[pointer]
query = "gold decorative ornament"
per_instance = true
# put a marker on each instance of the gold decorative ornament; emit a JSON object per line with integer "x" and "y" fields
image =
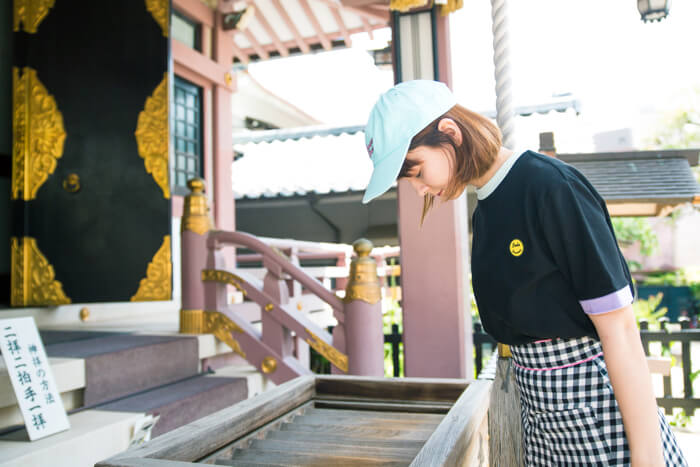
{"x": 160, "y": 11}
{"x": 222, "y": 327}
{"x": 269, "y": 307}
{"x": 72, "y": 183}
{"x": 192, "y": 322}
{"x": 32, "y": 280}
{"x": 84, "y": 314}
{"x": 152, "y": 135}
{"x": 504, "y": 350}
{"x": 38, "y": 134}
{"x": 268, "y": 365}
{"x": 195, "y": 213}
{"x": 405, "y": 5}
{"x": 217, "y": 275}
{"x": 158, "y": 282}
{"x": 363, "y": 283}
{"x": 336, "y": 357}
{"x": 228, "y": 79}
{"x": 299, "y": 306}
{"x": 30, "y": 13}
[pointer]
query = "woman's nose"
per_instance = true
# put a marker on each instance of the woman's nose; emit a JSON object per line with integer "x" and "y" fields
{"x": 420, "y": 187}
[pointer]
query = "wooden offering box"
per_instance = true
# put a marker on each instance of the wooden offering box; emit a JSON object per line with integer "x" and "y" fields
{"x": 334, "y": 420}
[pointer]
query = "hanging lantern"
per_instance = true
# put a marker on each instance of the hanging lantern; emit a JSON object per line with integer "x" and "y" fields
{"x": 653, "y": 10}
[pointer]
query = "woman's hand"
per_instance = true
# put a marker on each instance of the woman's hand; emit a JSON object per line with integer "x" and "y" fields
{"x": 631, "y": 382}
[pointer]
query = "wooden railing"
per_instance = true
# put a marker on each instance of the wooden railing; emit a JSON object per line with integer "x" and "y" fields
{"x": 279, "y": 344}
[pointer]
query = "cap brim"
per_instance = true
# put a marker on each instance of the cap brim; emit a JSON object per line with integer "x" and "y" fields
{"x": 385, "y": 173}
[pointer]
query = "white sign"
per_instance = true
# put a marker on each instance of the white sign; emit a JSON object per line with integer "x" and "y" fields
{"x": 30, "y": 373}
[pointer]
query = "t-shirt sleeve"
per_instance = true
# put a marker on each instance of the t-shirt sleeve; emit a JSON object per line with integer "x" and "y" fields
{"x": 581, "y": 240}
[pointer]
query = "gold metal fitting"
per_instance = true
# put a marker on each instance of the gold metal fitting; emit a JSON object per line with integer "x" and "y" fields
{"x": 268, "y": 365}
{"x": 363, "y": 283}
{"x": 269, "y": 307}
{"x": 195, "y": 213}
{"x": 84, "y": 314}
{"x": 193, "y": 322}
{"x": 504, "y": 351}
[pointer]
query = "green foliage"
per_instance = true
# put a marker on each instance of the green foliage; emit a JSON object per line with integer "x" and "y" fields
{"x": 649, "y": 310}
{"x": 630, "y": 230}
{"x": 679, "y": 128}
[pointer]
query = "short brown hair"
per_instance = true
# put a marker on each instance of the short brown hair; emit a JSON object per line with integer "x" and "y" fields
{"x": 481, "y": 142}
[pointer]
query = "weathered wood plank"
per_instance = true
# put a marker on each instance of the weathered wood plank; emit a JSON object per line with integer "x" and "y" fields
{"x": 144, "y": 462}
{"x": 384, "y": 405}
{"x": 340, "y": 449}
{"x": 329, "y": 438}
{"x": 405, "y": 389}
{"x": 359, "y": 421}
{"x": 306, "y": 459}
{"x": 199, "y": 438}
{"x": 260, "y": 433}
{"x": 379, "y": 433}
{"x": 437, "y": 418}
{"x": 452, "y": 440}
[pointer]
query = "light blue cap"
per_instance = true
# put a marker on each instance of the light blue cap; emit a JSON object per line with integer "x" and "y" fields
{"x": 399, "y": 115}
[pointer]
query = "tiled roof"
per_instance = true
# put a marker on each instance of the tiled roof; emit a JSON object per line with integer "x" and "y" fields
{"x": 334, "y": 160}
{"x": 644, "y": 176}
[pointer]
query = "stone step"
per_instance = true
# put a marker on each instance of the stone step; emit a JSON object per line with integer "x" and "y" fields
{"x": 101, "y": 432}
{"x": 184, "y": 401}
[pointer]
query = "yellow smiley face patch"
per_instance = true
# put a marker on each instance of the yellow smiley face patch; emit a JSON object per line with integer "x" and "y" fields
{"x": 516, "y": 247}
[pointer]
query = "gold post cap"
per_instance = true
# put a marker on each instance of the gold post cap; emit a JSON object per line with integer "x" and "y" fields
{"x": 196, "y": 185}
{"x": 362, "y": 247}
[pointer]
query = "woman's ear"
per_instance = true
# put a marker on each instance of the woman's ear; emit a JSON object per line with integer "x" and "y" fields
{"x": 450, "y": 128}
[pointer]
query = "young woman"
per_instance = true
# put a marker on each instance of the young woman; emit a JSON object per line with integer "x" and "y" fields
{"x": 548, "y": 277}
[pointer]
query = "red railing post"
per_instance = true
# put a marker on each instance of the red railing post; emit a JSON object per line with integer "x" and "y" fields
{"x": 364, "y": 335}
{"x": 195, "y": 228}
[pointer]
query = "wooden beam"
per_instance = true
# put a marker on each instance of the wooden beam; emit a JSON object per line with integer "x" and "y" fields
{"x": 283, "y": 51}
{"x": 316, "y": 25}
{"x": 367, "y": 28}
{"x": 341, "y": 26}
{"x": 242, "y": 56}
{"x": 262, "y": 53}
{"x": 303, "y": 46}
{"x": 367, "y": 12}
{"x": 310, "y": 40}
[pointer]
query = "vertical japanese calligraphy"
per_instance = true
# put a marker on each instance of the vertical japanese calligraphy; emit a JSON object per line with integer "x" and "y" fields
{"x": 32, "y": 381}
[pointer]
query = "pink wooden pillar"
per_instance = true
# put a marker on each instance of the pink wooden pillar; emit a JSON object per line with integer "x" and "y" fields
{"x": 364, "y": 336}
{"x": 434, "y": 259}
{"x": 193, "y": 246}
{"x": 224, "y": 209}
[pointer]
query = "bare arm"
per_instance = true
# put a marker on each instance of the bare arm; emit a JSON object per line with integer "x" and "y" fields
{"x": 631, "y": 382}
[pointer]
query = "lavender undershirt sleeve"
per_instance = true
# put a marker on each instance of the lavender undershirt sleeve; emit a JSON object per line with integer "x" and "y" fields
{"x": 609, "y": 302}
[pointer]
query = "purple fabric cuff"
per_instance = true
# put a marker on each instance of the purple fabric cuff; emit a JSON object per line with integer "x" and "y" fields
{"x": 609, "y": 302}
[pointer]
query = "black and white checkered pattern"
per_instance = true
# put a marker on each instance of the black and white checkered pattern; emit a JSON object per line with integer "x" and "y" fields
{"x": 569, "y": 414}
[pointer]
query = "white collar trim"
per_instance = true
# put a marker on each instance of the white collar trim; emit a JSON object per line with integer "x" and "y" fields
{"x": 492, "y": 184}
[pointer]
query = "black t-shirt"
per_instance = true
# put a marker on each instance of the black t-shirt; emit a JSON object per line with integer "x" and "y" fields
{"x": 543, "y": 251}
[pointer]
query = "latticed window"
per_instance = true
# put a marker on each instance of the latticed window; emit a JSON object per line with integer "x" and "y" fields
{"x": 188, "y": 133}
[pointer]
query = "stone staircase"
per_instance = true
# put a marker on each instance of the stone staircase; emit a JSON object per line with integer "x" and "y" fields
{"x": 112, "y": 381}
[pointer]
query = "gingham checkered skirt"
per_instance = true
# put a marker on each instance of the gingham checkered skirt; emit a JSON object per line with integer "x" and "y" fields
{"x": 569, "y": 413}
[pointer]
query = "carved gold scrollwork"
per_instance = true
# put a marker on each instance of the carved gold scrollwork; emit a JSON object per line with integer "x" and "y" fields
{"x": 30, "y": 13}
{"x": 32, "y": 277}
{"x": 217, "y": 275}
{"x": 152, "y": 135}
{"x": 363, "y": 283}
{"x": 333, "y": 355}
{"x": 195, "y": 213}
{"x": 222, "y": 327}
{"x": 158, "y": 282}
{"x": 38, "y": 134}
{"x": 160, "y": 11}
